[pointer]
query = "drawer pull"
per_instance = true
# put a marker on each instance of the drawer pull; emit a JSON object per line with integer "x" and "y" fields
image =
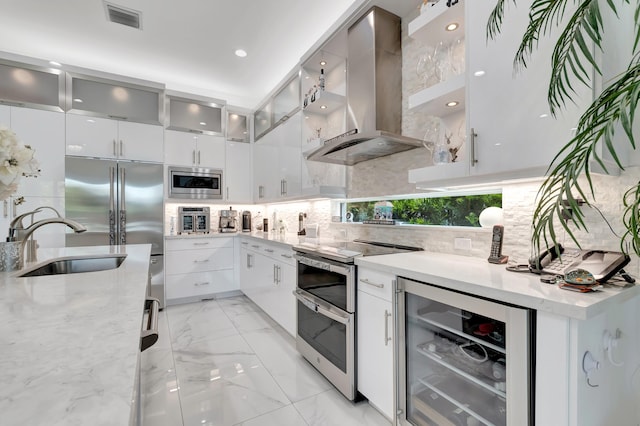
{"x": 255, "y": 246}
{"x": 269, "y": 250}
{"x": 244, "y": 243}
{"x": 366, "y": 281}
{"x": 387, "y": 339}
{"x": 287, "y": 256}
{"x": 201, "y": 261}
{"x": 201, "y": 244}
{"x": 199, "y": 284}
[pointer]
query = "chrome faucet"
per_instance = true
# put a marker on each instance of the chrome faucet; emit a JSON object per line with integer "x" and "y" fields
{"x": 16, "y": 227}
{"x": 77, "y": 228}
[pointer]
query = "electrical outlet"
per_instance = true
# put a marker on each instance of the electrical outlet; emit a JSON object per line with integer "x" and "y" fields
{"x": 462, "y": 243}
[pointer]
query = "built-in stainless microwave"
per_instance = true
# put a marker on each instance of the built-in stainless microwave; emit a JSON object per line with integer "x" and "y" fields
{"x": 195, "y": 183}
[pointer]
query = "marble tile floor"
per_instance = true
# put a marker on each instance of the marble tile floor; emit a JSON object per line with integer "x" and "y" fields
{"x": 225, "y": 362}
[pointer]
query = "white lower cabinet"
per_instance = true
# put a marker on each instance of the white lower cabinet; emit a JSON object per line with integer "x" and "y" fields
{"x": 375, "y": 339}
{"x": 198, "y": 267}
{"x": 268, "y": 278}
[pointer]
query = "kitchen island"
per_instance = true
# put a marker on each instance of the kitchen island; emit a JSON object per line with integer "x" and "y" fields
{"x": 70, "y": 343}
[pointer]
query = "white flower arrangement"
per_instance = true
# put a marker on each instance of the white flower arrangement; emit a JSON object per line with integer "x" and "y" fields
{"x": 16, "y": 160}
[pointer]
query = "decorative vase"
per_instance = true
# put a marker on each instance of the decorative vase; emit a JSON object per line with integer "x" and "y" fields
{"x": 10, "y": 256}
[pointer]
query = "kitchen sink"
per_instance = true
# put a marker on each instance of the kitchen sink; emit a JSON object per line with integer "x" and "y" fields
{"x": 76, "y": 265}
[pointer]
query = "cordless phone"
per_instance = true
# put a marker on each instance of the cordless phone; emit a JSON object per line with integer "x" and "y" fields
{"x": 496, "y": 246}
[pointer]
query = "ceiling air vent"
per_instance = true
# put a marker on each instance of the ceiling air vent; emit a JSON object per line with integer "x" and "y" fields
{"x": 123, "y": 16}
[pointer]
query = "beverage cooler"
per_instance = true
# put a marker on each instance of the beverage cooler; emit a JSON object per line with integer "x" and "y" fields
{"x": 461, "y": 360}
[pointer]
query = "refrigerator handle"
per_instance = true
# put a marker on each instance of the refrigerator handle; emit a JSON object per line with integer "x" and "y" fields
{"x": 123, "y": 209}
{"x": 112, "y": 207}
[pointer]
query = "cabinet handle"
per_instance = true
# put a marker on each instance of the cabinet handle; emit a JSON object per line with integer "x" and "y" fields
{"x": 473, "y": 136}
{"x": 194, "y": 157}
{"x": 249, "y": 257}
{"x": 198, "y": 157}
{"x": 279, "y": 274}
{"x": 366, "y": 281}
{"x": 14, "y": 209}
{"x": 121, "y": 148}
{"x": 201, "y": 244}
{"x": 244, "y": 243}
{"x": 114, "y": 148}
{"x": 227, "y": 192}
{"x": 255, "y": 246}
{"x": 275, "y": 274}
{"x": 286, "y": 189}
{"x": 5, "y": 208}
{"x": 268, "y": 250}
{"x": 387, "y": 339}
{"x": 202, "y": 283}
{"x": 287, "y": 256}
{"x": 201, "y": 261}
{"x": 260, "y": 191}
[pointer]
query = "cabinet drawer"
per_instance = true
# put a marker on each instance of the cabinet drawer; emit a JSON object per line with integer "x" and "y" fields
{"x": 189, "y": 261}
{"x": 199, "y": 284}
{"x": 279, "y": 254}
{"x": 198, "y": 243}
{"x": 375, "y": 283}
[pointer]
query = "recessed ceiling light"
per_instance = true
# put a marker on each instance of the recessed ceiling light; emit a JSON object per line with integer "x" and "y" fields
{"x": 241, "y": 53}
{"x": 452, "y": 26}
{"x": 202, "y": 123}
{"x": 323, "y": 107}
{"x": 78, "y": 100}
{"x": 55, "y": 64}
{"x": 452, "y": 103}
{"x": 234, "y": 116}
{"x": 323, "y": 63}
{"x": 479, "y": 73}
{"x": 544, "y": 115}
{"x": 91, "y": 121}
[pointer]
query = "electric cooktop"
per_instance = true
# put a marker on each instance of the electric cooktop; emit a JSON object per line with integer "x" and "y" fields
{"x": 347, "y": 251}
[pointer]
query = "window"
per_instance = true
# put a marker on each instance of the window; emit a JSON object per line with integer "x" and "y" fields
{"x": 445, "y": 211}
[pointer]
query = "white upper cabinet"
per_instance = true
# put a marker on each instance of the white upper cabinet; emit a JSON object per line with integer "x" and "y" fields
{"x": 195, "y": 150}
{"x": 508, "y": 111}
{"x": 44, "y": 132}
{"x": 510, "y": 132}
{"x": 105, "y": 138}
{"x": 238, "y": 174}
{"x": 277, "y": 162}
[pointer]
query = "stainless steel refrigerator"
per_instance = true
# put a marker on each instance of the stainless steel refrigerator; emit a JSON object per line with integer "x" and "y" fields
{"x": 120, "y": 202}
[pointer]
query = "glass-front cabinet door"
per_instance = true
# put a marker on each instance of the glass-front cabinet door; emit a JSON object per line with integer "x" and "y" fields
{"x": 462, "y": 360}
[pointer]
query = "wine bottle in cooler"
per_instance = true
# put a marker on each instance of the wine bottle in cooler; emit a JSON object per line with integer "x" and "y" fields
{"x": 321, "y": 80}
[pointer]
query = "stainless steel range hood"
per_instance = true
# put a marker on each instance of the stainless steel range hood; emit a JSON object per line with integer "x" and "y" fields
{"x": 374, "y": 94}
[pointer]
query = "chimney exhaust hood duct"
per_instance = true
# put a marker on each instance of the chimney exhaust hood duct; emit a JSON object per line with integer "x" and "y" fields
{"x": 374, "y": 94}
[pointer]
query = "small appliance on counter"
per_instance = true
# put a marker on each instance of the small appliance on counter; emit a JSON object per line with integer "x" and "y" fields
{"x": 246, "y": 221}
{"x": 228, "y": 220}
{"x": 301, "y": 217}
{"x": 193, "y": 220}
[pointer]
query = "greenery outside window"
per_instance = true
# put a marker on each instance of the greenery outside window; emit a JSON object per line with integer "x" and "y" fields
{"x": 461, "y": 210}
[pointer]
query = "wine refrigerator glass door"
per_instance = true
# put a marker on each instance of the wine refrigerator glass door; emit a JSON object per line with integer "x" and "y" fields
{"x": 461, "y": 360}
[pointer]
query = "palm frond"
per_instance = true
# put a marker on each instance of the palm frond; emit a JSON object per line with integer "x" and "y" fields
{"x": 495, "y": 19}
{"x": 631, "y": 220}
{"x": 615, "y": 105}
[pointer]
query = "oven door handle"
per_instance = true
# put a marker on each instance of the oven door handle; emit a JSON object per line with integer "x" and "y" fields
{"x": 344, "y": 270}
{"x": 323, "y": 310}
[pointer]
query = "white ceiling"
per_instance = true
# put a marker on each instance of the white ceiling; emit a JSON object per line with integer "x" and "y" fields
{"x": 186, "y": 44}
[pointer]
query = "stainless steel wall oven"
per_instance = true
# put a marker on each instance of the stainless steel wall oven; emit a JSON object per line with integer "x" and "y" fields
{"x": 326, "y": 293}
{"x": 326, "y": 319}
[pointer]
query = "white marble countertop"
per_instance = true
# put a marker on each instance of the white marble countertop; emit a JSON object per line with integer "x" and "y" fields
{"x": 481, "y": 278}
{"x": 69, "y": 344}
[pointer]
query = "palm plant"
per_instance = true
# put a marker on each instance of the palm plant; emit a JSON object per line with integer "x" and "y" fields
{"x": 572, "y": 60}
